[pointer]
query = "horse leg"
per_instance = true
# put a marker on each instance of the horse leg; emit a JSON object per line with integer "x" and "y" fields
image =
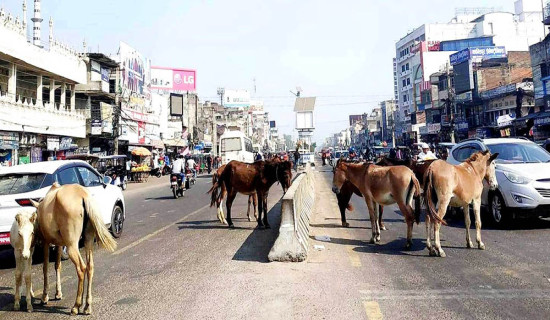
{"x": 380, "y": 222}
{"x": 230, "y": 198}
{"x": 343, "y": 201}
{"x": 477, "y": 213}
{"x": 372, "y": 219}
{"x": 255, "y": 202}
{"x": 409, "y": 219}
{"x": 80, "y": 267}
{"x": 219, "y": 205}
{"x": 429, "y": 235}
{"x": 19, "y": 265}
{"x": 89, "y": 247}
{"x": 260, "y": 210}
{"x": 467, "y": 223}
{"x": 443, "y": 204}
{"x": 248, "y": 210}
{"x": 264, "y": 205}
{"x": 376, "y": 219}
{"x": 58, "y": 294}
{"x": 28, "y": 282}
{"x": 46, "y": 249}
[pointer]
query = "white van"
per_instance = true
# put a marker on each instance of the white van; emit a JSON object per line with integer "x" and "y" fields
{"x": 234, "y": 145}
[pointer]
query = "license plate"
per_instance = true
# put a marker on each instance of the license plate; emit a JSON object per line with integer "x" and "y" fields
{"x": 174, "y": 183}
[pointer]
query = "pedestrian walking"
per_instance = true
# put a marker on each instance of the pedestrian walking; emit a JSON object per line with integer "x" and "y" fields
{"x": 209, "y": 163}
{"x": 296, "y": 159}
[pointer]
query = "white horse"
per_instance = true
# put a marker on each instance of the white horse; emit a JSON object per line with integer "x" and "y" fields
{"x": 22, "y": 239}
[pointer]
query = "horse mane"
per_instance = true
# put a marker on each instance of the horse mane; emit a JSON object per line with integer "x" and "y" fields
{"x": 474, "y": 157}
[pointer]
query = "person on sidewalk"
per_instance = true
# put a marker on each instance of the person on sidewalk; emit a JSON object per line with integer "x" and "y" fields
{"x": 296, "y": 159}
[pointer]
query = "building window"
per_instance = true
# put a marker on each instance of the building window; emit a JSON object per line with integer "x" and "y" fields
{"x": 402, "y": 68}
{"x": 404, "y": 83}
{"x": 407, "y": 66}
{"x": 408, "y": 81}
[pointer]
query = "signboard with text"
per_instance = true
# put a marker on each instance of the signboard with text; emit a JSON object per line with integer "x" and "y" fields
{"x": 477, "y": 54}
{"x": 236, "y": 98}
{"x": 174, "y": 80}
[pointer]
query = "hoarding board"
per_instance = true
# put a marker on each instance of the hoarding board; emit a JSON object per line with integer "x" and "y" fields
{"x": 176, "y": 104}
{"x": 464, "y": 78}
{"x": 272, "y": 124}
{"x": 304, "y": 120}
{"x": 354, "y": 118}
{"x": 135, "y": 70}
{"x": 236, "y": 98}
{"x": 477, "y": 54}
{"x": 171, "y": 79}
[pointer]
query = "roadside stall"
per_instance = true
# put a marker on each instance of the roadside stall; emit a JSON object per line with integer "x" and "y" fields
{"x": 140, "y": 165}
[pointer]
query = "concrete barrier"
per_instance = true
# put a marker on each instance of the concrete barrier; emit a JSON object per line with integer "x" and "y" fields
{"x": 296, "y": 209}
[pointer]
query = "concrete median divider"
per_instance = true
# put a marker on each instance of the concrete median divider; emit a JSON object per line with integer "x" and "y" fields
{"x": 296, "y": 209}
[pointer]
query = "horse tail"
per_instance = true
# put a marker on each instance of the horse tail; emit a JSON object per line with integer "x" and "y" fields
{"x": 91, "y": 212}
{"x": 214, "y": 190}
{"x": 430, "y": 196}
{"x": 414, "y": 191}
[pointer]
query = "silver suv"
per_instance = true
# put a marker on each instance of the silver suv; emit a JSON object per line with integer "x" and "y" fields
{"x": 523, "y": 175}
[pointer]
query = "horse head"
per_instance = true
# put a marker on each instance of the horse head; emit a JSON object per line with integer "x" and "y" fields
{"x": 284, "y": 174}
{"x": 340, "y": 176}
{"x": 490, "y": 174}
{"x": 22, "y": 232}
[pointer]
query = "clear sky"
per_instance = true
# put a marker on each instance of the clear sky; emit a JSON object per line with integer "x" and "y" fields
{"x": 340, "y": 51}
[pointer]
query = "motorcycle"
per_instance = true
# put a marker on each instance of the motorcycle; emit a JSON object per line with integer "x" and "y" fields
{"x": 176, "y": 184}
{"x": 190, "y": 177}
{"x": 157, "y": 172}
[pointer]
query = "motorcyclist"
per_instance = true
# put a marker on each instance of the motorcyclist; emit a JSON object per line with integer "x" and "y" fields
{"x": 352, "y": 155}
{"x": 178, "y": 167}
{"x": 191, "y": 165}
{"x": 426, "y": 153}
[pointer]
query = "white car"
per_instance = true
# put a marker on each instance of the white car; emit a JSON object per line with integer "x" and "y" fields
{"x": 19, "y": 184}
{"x": 523, "y": 175}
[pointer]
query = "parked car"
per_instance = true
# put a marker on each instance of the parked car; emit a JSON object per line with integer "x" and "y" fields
{"x": 523, "y": 175}
{"x": 19, "y": 184}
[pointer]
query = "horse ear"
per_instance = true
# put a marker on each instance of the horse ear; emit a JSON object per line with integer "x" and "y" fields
{"x": 493, "y": 157}
{"x": 18, "y": 218}
{"x": 34, "y": 203}
{"x": 33, "y": 217}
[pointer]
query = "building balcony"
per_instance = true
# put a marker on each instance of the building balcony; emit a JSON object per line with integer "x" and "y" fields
{"x": 36, "y": 117}
{"x": 405, "y": 73}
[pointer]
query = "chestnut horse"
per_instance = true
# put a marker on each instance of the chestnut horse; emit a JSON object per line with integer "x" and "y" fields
{"x": 349, "y": 189}
{"x": 457, "y": 186}
{"x": 251, "y": 178}
{"x": 66, "y": 214}
{"x": 380, "y": 185}
{"x": 252, "y": 199}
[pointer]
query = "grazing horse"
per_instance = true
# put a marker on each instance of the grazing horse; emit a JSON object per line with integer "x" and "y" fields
{"x": 381, "y": 185}
{"x": 22, "y": 239}
{"x": 66, "y": 214}
{"x": 458, "y": 186}
{"x": 251, "y": 178}
{"x": 252, "y": 199}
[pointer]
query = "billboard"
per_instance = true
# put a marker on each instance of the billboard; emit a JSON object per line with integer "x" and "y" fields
{"x": 176, "y": 104}
{"x": 272, "y": 124}
{"x": 171, "y": 79}
{"x": 354, "y": 118}
{"x": 304, "y": 120}
{"x": 135, "y": 70}
{"x": 236, "y": 98}
{"x": 478, "y": 54}
{"x": 464, "y": 77}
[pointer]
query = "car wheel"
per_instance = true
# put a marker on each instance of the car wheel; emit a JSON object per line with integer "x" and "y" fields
{"x": 117, "y": 221}
{"x": 498, "y": 210}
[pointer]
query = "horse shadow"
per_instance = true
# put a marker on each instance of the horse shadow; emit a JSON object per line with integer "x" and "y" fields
{"x": 395, "y": 247}
{"x": 258, "y": 244}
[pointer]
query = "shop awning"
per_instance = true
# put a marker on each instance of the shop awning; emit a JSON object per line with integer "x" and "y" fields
{"x": 175, "y": 143}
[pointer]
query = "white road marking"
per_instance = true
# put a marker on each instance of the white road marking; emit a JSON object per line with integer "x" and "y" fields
{"x": 450, "y": 294}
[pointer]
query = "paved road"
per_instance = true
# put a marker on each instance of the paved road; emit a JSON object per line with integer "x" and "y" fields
{"x": 176, "y": 261}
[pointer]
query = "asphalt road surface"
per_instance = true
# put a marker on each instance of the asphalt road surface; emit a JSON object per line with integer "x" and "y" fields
{"x": 176, "y": 261}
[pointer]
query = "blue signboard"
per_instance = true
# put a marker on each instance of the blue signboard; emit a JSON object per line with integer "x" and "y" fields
{"x": 477, "y": 53}
{"x": 104, "y": 74}
{"x": 462, "y": 126}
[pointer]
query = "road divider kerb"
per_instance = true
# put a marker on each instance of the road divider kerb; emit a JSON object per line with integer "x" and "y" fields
{"x": 296, "y": 209}
{"x": 152, "y": 234}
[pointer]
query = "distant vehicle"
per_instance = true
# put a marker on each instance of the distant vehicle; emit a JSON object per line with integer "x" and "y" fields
{"x": 234, "y": 145}
{"x": 523, "y": 175}
{"x": 19, "y": 184}
{"x": 340, "y": 154}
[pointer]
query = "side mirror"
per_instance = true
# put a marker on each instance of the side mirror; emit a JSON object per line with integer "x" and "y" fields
{"x": 106, "y": 181}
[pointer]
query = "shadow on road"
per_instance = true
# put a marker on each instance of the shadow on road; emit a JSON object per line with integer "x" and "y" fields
{"x": 395, "y": 248}
{"x": 256, "y": 247}
{"x": 161, "y": 198}
{"x": 334, "y": 226}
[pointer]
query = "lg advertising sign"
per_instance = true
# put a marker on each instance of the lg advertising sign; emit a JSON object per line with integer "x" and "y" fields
{"x": 173, "y": 79}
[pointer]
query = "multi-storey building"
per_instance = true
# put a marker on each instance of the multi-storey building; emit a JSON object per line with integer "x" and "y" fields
{"x": 423, "y": 51}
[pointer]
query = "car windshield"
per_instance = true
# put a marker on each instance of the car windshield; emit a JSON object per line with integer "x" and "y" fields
{"x": 20, "y": 183}
{"x": 519, "y": 153}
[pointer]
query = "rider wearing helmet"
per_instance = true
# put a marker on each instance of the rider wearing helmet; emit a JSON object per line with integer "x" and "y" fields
{"x": 352, "y": 155}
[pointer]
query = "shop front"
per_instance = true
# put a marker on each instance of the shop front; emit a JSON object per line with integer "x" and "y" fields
{"x": 29, "y": 148}
{"x": 9, "y": 144}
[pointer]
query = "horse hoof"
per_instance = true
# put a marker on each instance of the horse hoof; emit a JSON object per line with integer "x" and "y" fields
{"x": 481, "y": 246}
{"x": 383, "y": 228}
{"x": 16, "y": 307}
{"x": 225, "y": 222}
{"x": 345, "y": 224}
{"x": 469, "y": 245}
{"x": 261, "y": 227}
{"x": 442, "y": 254}
{"x": 58, "y": 296}
{"x": 249, "y": 219}
{"x": 371, "y": 241}
{"x": 408, "y": 246}
{"x": 231, "y": 226}
{"x": 45, "y": 299}
{"x": 74, "y": 311}
{"x": 267, "y": 226}
{"x": 433, "y": 253}
{"x": 88, "y": 310}
{"x": 29, "y": 309}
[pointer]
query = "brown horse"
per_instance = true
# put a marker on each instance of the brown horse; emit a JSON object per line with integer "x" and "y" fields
{"x": 380, "y": 185}
{"x": 349, "y": 189}
{"x": 251, "y": 178}
{"x": 252, "y": 199}
{"x": 458, "y": 186}
{"x": 66, "y": 214}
